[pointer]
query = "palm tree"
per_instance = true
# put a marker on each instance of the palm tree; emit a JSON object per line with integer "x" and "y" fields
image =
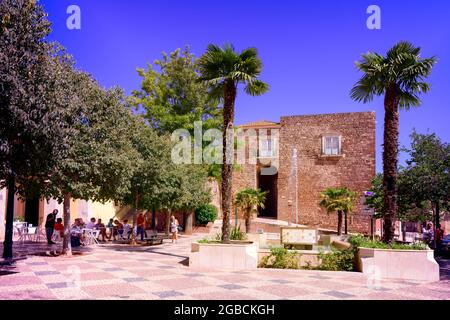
{"x": 223, "y": 69}
{"x": 400, "y": 76}
{"x": 249, "y": 200}
{"x": 340, "y": 200}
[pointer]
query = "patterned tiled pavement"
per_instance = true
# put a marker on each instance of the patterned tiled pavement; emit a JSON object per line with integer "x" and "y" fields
{"x": 161, "y": 272}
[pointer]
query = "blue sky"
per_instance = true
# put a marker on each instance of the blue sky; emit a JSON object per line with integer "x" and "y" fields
{"x": 308, "y": 48}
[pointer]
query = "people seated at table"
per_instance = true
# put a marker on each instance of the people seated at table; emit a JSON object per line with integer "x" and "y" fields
{"x": 428, "y": 234}
{"x": 91, "y": 224}
{"x": 59, "y": 227}
{"x": 101, "y": 227}
{"x": 127, "y": 229}
{"x": 117, "y": 229}
{"x": 76, "y": 234}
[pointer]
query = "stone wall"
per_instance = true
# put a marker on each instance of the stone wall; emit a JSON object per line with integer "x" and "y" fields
{"x": 354, "y": 169}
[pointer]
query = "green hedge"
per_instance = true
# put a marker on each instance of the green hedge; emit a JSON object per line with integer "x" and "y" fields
{"x": 205, "y": 214}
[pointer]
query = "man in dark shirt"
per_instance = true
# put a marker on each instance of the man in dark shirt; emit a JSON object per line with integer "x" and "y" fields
{"x": 50, "y": 226}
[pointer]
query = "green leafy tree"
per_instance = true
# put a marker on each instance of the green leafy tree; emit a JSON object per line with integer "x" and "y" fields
{"x": 423, "y": 185}
{"x": 100, "y": 158}
{"x": 426, "y": 177}
{"x": 33, "y": 130}
{"x": 150, "y": 172}
{"x": 158, "y": 183}
{"x": 340, "y": 200}
{"x": 400, "y": 77}
{"x": 249, "y": 200}
{"x": 223, "y": 69}
{"x": 172, "y": 97}
{"x": 376, "y": 200}
{"x": 409, "y": 208}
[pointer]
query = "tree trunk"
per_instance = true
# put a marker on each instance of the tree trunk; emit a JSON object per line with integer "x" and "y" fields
{"x": 228, "y": 157}
{"x": 154, "y": 219}
{"x": 168, "y": 218}
{"x": 437, "y": 222}
{"x": 9, "y": 228}
{"x": 339, "y": 228}
{"x": 390, "y": 160}
{"x": 67, "y": 247}
{"x": 189, "y": 222}
{"x": 248, "y": 221}
{"x": 133, "y": 234}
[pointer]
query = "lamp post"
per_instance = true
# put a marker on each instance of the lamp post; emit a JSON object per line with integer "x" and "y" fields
{"x": 292, "y": 213}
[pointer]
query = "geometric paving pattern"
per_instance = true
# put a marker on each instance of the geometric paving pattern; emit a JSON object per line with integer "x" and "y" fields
{"x": 161, "y": 272}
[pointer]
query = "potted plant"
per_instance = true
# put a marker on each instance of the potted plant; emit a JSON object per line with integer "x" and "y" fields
{"x": 249, "y": 200}
{"x": 395, "y": 261}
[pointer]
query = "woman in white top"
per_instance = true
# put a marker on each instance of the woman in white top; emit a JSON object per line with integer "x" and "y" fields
{"x": 174, "y": 228}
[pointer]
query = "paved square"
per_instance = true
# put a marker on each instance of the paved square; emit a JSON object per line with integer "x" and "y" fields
{"x": 111, "y": 271}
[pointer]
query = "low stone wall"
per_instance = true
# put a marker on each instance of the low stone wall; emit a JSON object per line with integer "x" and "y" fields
{"x": 234, "y": 256}
{"x": 418, "y": 265}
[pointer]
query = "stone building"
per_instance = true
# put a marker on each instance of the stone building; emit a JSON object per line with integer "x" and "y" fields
{"x": 301, "y": 156}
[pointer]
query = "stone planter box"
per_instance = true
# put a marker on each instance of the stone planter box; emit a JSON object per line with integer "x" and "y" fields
{"x": 234, "y": 256}
{"x": 418, "y": 265}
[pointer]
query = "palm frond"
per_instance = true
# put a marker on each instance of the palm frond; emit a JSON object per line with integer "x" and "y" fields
{"x": 221, "y": 64}
{"x": 402, "y": 68}
{"x": 256, "y": 88}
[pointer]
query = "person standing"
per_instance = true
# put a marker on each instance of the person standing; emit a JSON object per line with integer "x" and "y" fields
{"x": 174, "y": 228}
{"x": 439, "y": 236}
{"x": 110, "y": 227}
{"x": 59, "y": 227}
{"x": 50, "y": 226}
{"x": 141, "y": 226}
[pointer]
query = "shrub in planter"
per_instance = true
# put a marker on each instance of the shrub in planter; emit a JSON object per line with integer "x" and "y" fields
{"x": 280, "y": 258}
{"x": 205, "y": 214}
{"x": 337, "y": 260}
{"x": 237, "y": 234}
{"x": 363, "y": 242}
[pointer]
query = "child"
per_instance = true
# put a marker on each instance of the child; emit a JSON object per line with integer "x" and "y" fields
{"x": 59, "y": 227}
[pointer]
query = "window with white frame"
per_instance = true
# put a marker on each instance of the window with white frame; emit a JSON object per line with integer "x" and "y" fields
{"x": 266, "y": 148}
{"x": 331, "y": 145}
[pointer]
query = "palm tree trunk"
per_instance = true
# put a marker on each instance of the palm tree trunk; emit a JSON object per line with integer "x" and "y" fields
{"x": 339, "y": 228}
{"x": 67, "y": 248}
{"x": 248, "y": 221}
{"x": 390, "y": 160}
{"x": 346, "y": 223}
{"x": 8, "y": 243}
{"x": 227, "y": 167}
{"x": 189, "y": 223}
